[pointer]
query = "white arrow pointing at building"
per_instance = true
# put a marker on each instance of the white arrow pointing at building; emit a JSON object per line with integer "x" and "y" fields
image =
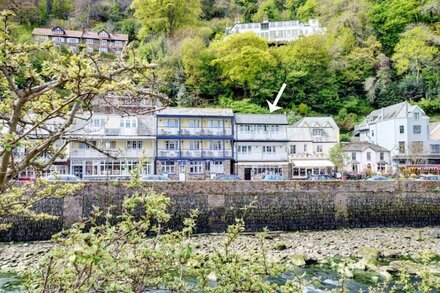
{"x": 273, "y": 107}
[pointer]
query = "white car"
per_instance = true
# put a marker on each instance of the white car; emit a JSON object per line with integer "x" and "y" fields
{"x": 63, "y": 178}
{"x": 147, "y": 178}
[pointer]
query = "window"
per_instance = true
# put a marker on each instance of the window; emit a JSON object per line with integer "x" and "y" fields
{"x": 118, "y": 43}
{"x": 103, "y": 34}
{"x": 196, "y": 167}
{"x": 98, "y": 122}
{"x": 417, "y": 129}
{"x": 417, "y": 147}
{"x": 103, "y": 42}
{"x": 292, "y": 149}
{"x": 134, "y": 144}
{"x": 368, "y": 156}
{"x": 171, "y": 144}
{"x": 167, "y": 167}
{"x": 217, "y": 167}
{"x": 89, "y": 41}
{"x": 372, "y": 133}
{"x": 194, "y": 145}
{"x": 416, "y": 115}
{"x": 353, "y": 156}
{"x": 87, "y": 146}
{"x": 269, "y": 149}
{"x": 128, "y": 123}
{"x": 274, "y": 128}
{"x": 382, "y": 156}
{"x": 435, "y": 148}
{"x": 173, "y": 123}
{"x": 215, "y": 123}
{"x": 401, "y": 147}
{"x": 319, "y": 148}
{"x": 305, "y": 148}
{"x": 244, "y": 149}
{"x": 110, "y": 144}
{"x": 402, "y": 129}
{"x": 89, "y": 50}
{"x": 317, "y": 132}
{"x": 58, "y": 30}
{"x": 194, "y": 123}
{"x": 72, "y": 40}
{"x": 58, "y": 39}
{"x": 215, "y": 145}
{"x": 103, "y": 50}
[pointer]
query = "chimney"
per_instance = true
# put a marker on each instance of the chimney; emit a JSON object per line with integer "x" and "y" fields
{"x": 265, "y": 18}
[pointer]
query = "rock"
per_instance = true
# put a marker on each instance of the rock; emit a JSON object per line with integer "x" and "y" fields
{"x": 280, "y": 246}
{"x": 360, "y": 265}
{"x": 436, "y": 233}
{"x": 369, "y": 253}
{"x": 298, "y": 260}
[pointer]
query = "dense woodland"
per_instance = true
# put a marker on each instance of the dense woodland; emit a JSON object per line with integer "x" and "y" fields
{"x": 375, "y": 52}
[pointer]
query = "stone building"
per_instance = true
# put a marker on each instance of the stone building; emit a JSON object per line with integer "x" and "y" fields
{"x": 95, "y": 42}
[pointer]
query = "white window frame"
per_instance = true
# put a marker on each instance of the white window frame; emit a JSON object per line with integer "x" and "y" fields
{"x": 244, "y": 149}
{"x": 269, "y": 149}
{"x": 167, "y": 167}
{"x": 215, "y": 145}
{"x": 196, "y": 167}
{"x": 171, "y": 145}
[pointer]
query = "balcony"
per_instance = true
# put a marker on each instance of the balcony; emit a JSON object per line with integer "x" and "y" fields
{"x": 91, "y": 153}
{"x": 112, "y": 131}
{"x": 258, "y": 156}
{"x": 194, "y": 153}
{"x": 192, "y": 131}
{"x": 262, "y": 136}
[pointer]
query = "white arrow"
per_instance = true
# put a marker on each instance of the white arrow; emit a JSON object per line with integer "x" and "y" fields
{"x": 273, "y": 107}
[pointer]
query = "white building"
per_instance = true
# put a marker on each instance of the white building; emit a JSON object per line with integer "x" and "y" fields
{"x": 260, "y": 145}
{"x": 310, "y": 141}
{"x": 130, "y": 140}
{"x": 366, "y": 157}
{"x": 278, "y": 31}
{"x": 404, "y": 130}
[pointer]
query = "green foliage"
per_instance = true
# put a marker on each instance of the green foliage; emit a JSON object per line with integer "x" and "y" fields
{"x": 267, "y": 8}
{"x": 338, "y": 157}
{"x": 165, "y": 16}
{"x": 242, "y": 106}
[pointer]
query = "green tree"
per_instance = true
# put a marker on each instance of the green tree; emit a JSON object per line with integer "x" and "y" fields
{"x": 414, "y": 52}
{"x": 42, "y": 91}
{"x": 338, "y": 156}
{"x": 243, "y": 60}
{"x": 165, "y": 16}
{"x": 267, "y": 8}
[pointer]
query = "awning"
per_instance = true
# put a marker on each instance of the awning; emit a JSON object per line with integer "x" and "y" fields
{"x": 382, "y": 162}
{"x": 312, "y": 163}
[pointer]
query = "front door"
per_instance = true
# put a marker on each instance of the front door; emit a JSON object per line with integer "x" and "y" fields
{"x": 247, "y": 173}
{"x": 182, "y": 174}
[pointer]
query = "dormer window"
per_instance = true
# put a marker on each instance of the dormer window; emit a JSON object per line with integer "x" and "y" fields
{"x": 59, "y": 31}
{"x": 103, "y": 34}
{"x": 416, "y": 115}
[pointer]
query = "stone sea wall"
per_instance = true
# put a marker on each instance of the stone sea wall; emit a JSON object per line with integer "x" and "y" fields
{"x": 286, "y": 205}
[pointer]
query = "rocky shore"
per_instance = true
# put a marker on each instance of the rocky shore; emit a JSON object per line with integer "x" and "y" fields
{"x": 315, "y": 246}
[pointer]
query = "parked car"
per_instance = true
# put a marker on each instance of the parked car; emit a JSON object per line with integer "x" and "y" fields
{"x": 429, "y": 177}
{"x": 147, "y": 178}
{"x": 379, "y": 178}
{"x": 273, "y": 177}
{"x": 63, "y": 178}
{"x": 321, "y": 177}
{"x": 228, "y": 178}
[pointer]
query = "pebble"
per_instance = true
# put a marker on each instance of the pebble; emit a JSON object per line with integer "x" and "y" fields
{"x": 316, "y": 245}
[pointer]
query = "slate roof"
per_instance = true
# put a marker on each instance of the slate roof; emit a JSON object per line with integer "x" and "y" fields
{"x": 390, "y": 112}
{"x": 79, "y": 34}
{"x": 362, "y": 146}
{"x": 177, "y": 111}
{"x": 261, "y": 119}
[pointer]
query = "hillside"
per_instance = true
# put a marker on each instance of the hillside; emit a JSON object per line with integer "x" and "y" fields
{"x": 375, "y": 52}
